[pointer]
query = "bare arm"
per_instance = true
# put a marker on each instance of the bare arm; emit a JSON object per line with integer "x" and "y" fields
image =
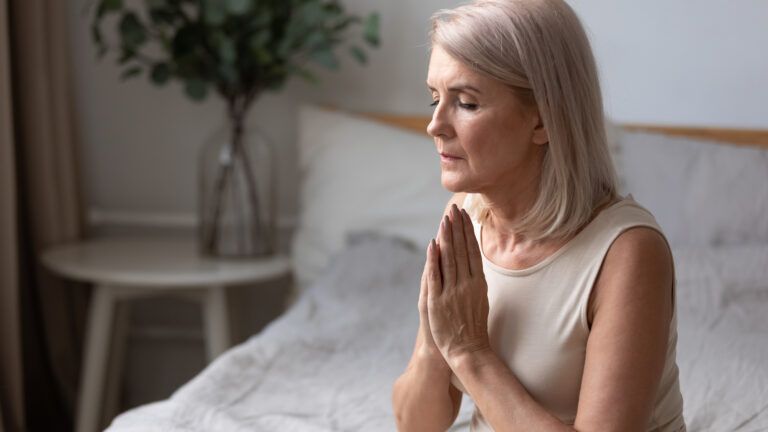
{"x": 630, "y": 309}
{"x": 423, "y": 397}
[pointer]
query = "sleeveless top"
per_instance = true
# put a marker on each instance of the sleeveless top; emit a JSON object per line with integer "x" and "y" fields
{"x": 538, "y": 322}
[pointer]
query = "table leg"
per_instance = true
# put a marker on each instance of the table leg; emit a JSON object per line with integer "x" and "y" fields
{"x": 115, "y": 366}
{"x": 95, "y": 359}
{"x": 216, "y": 321}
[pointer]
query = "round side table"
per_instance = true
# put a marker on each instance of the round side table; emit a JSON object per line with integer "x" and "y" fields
{"x": 130, "y": 268}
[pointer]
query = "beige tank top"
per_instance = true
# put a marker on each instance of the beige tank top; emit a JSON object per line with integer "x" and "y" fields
{"x": 538, "y": 319}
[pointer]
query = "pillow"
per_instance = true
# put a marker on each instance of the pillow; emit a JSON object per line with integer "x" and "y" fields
{"x": 358, "y": 175}
{"x": 701, "y": 192}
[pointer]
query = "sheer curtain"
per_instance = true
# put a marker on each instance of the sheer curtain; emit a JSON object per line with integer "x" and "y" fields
{"x": 41, "y": 317}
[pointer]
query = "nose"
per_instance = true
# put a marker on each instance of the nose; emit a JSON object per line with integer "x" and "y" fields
{"x": 440, "y": 125}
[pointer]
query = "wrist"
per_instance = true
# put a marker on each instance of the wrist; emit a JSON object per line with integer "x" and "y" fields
{"x": 430, "y": 360}
{"x": 470, "y": 360}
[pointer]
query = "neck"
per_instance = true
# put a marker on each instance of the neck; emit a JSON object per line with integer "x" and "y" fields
{"x": 508, "y": 204}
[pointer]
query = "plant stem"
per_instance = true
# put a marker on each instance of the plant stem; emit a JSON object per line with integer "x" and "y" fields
{"x": 236, "y": 110}
{"x": 252, "y": 191}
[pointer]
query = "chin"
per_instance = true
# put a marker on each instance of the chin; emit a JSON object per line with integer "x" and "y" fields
{"x": 452, "y": 182}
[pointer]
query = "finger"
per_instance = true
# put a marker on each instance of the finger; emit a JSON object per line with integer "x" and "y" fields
{"x": 434, "y": 278}
{"x": 459, "y": 244}
{"x": 473, "y": 248}
{"x": 423, "y": 283}
{"x": 447, "y": 259}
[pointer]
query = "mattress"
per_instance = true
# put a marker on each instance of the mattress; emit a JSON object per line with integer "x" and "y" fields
{"x": 329, "y": 362}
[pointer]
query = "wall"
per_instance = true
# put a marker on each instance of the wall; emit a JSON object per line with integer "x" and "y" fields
{"x": 687, "y": 62}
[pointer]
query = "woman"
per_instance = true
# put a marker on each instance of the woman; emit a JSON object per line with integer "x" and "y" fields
{"x": 547, "y": 298}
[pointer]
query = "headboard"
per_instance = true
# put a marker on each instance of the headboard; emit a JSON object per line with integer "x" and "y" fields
{"x": 750, "y": 137}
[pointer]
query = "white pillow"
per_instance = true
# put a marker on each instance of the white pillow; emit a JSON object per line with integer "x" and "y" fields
{"x": 701, "y": 192}
{"x": 361, "y": 175}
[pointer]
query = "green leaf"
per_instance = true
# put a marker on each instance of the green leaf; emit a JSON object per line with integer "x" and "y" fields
{"x": 132, "y": 31}
{"x": 259, "y": 40}
{"x": 227, "y": 73}
{"x": 371, "y": 30}
{"x": 358, "y": 54}
{"x": 107, "y": 6}
{"x": 213, "y": 12}
{"x": 160, "y": 16}
{"x": 263, "y": 56}
{"x": 316, "y": 40}
{"x": 237, "y": 7}
{"x": 225, "y": 47}
{"x": 311, "y": 14}
{"x": 126, "y": 55}
{"x": 130, "y": 73}
{"x": 344, "y": 23}
{"x": 284, "y": 48}
{"x": 196, "y": 89}
{"x": 186, "y": 40}
{"x": 161, "y": 73}
{"x": 262, "y": 19}
{"x": 325, "y": 57}
{"x": 304, "y": 74}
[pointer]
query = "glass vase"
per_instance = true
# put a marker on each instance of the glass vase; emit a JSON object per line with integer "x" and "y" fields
{"x": 236, "y": 194}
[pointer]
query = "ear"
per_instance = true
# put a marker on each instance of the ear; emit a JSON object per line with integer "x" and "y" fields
{"x": 540, "y": 135}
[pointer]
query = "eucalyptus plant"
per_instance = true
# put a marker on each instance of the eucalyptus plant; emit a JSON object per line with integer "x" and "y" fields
{"x": 237, "y": 48}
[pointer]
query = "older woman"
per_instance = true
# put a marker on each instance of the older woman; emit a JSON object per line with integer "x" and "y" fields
{"x": 547, "y": 298}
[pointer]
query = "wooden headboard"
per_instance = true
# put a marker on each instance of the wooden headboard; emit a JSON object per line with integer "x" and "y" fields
{"x": 749, "y": 137}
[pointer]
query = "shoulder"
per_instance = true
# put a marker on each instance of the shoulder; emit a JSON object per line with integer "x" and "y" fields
{"x": 637, "y": 246}
{"x": 637, "y": 271}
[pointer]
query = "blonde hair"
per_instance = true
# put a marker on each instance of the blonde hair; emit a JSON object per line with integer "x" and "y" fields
{"x": 539, "y": 49}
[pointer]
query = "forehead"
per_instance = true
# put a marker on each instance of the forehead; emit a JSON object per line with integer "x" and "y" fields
{"x": 444, "y": 68}
{"x": 445, "y": 71}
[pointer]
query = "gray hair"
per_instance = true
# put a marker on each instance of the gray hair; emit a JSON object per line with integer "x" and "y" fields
{"x": 540, "y": 49}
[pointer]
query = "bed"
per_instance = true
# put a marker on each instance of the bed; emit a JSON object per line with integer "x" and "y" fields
{"x": 328, "y": 363}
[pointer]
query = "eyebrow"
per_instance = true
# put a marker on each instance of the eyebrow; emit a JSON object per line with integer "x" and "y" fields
{"x": 459, "y": 88}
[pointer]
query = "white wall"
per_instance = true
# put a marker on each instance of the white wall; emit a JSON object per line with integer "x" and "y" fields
{"x": 684, "y": 62}
{"x": 701, "y": 62}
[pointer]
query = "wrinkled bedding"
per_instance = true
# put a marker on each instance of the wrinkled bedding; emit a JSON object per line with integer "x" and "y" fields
{"x": 328, "y": 364}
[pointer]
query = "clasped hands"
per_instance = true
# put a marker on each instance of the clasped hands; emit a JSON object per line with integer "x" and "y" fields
{"x": 453, "y": 301}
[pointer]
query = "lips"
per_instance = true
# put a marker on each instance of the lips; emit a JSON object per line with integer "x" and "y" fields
{"x": 447, "y": 159}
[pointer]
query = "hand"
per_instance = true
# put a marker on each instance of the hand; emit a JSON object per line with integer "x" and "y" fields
{"x": 425, "y": 344}
{"x": 457, "y": 295}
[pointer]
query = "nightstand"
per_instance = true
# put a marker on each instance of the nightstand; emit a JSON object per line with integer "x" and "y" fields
{"x": 130, "y": 268}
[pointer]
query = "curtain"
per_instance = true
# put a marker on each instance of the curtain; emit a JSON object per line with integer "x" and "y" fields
{"x": 42, "y": 316}
{"x": 10, "y": 336}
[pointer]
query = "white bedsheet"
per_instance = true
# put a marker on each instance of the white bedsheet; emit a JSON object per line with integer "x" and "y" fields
{"x": 329, "y": 363}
